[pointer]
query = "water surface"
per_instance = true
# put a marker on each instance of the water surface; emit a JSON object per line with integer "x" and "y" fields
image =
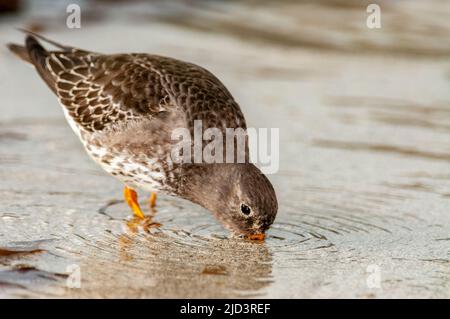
{"x": 364, "y": 179}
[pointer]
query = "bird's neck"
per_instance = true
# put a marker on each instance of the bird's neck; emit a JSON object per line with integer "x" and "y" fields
{"x": 205, "y": 184}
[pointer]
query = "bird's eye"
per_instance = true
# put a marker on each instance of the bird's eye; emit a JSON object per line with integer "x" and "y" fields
{"x": 245, "y": 209}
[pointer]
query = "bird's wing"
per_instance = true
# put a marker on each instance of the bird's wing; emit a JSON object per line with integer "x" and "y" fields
{"x": 102, "y": 90}
{"x": 99, "y": 91}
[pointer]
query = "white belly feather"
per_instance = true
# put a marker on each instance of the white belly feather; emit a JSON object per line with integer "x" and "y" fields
{"x": 123, "y": 166}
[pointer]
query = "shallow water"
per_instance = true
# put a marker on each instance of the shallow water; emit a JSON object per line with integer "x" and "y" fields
{"x": 364, "y": 180}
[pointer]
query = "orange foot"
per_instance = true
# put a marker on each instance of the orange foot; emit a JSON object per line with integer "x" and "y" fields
{"x": 152, "y": 200}
{"x": 132, "y": 200}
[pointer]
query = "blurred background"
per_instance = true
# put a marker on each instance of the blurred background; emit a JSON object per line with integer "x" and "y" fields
{"x": 364, "y": 179}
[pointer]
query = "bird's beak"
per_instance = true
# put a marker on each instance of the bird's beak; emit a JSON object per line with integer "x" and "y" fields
{"x": 256, "y": 237}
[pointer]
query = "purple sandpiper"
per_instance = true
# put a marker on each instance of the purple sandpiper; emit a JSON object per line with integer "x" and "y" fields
{"x": 123, "y": 107}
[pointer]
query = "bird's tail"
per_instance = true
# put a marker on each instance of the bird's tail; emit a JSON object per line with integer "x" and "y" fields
{"x": 33, "y": 47}
{"x": 33, "y": 52}
{"x": 20, "y": 51}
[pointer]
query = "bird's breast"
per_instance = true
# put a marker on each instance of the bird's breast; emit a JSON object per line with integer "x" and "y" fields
{"x": 135, "y": 170}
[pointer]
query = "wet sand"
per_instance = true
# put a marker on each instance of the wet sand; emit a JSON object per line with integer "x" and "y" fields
{"x": 364, "y": 179}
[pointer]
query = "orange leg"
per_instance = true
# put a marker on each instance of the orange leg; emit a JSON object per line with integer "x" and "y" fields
{"x": 131, "y": 198}
{"x": 152, "y": 200}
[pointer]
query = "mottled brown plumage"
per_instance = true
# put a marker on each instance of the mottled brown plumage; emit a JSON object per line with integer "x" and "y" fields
{"x": 124, "y": 108}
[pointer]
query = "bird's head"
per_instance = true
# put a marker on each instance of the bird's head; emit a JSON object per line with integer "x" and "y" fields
{"x": 239, "y": 195}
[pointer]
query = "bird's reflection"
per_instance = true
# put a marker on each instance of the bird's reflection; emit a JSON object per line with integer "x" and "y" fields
{"x": 147, "y": 260}
{"x": 132, "y": 228}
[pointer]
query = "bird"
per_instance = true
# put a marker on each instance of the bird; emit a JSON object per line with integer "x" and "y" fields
{"x": 124, "y": 107}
